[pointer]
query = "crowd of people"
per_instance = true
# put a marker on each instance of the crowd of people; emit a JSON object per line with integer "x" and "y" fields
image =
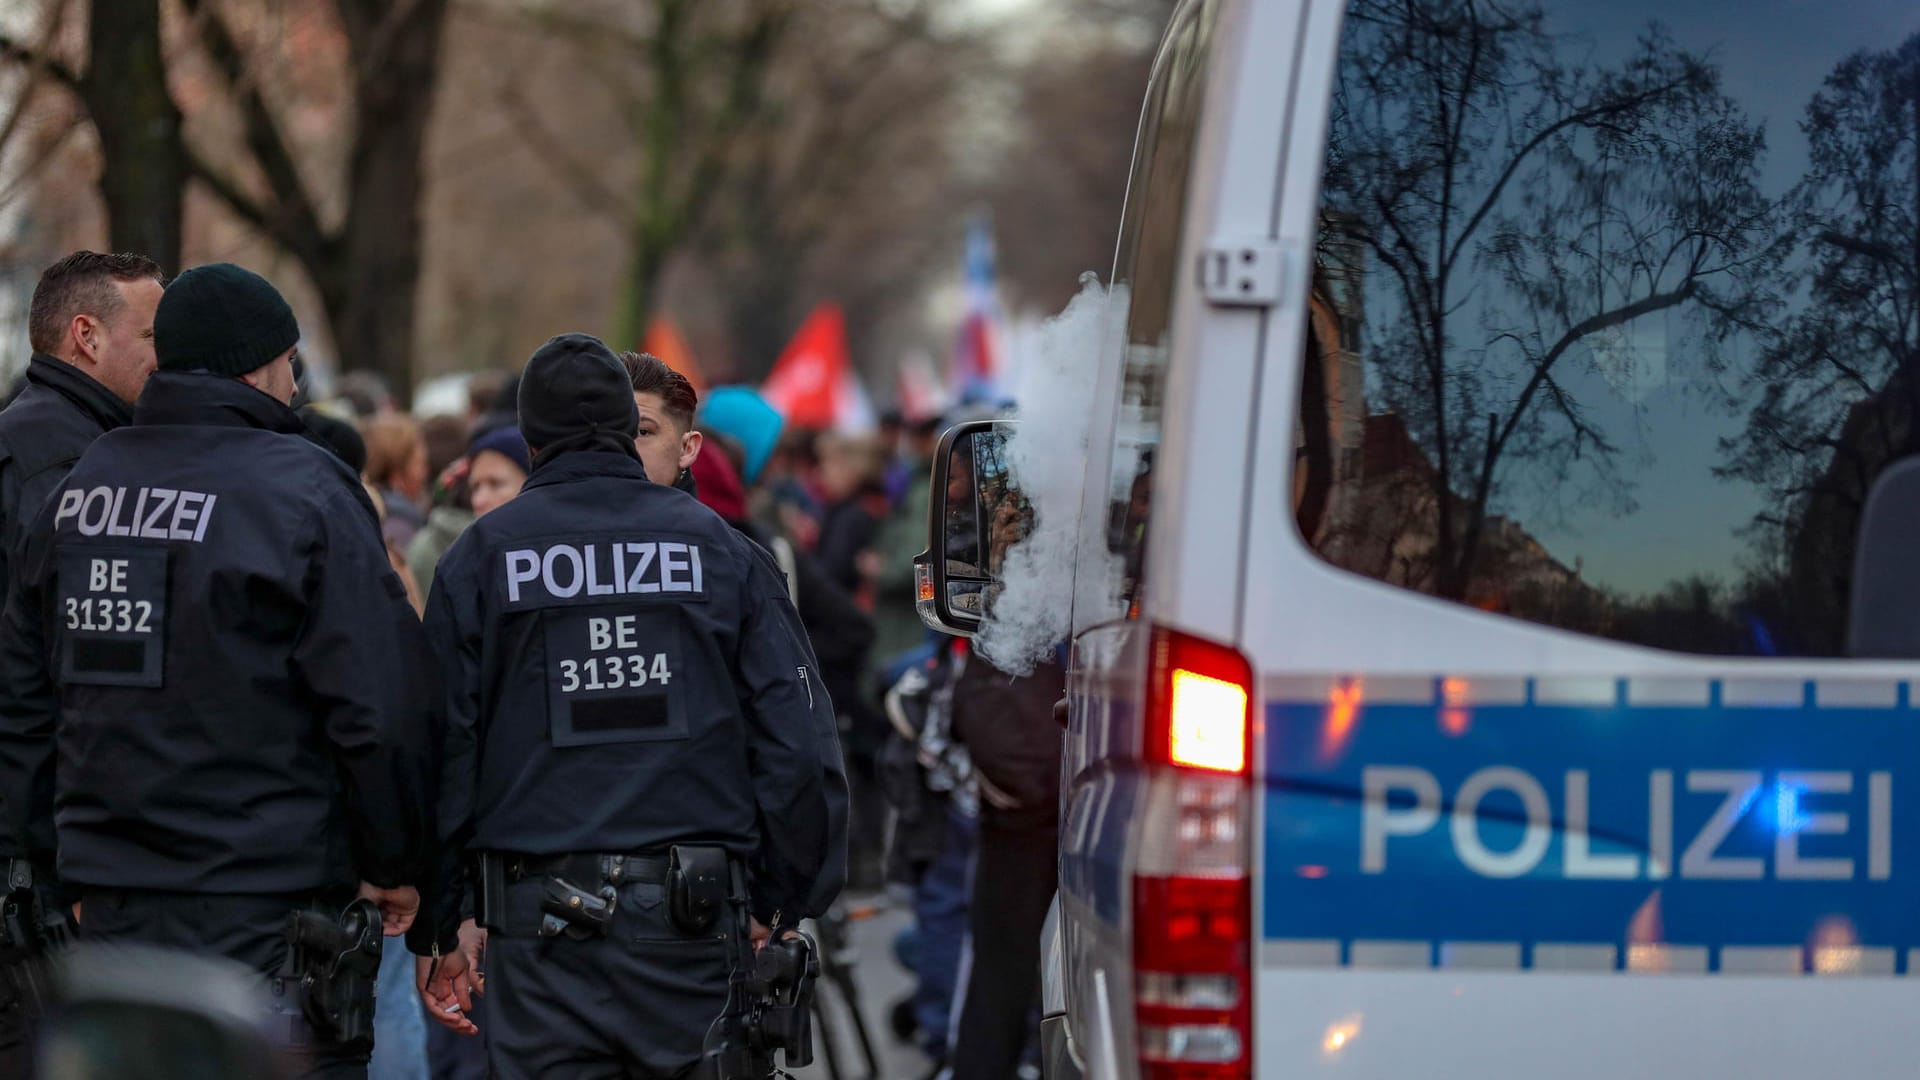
{"x": 952, "y": 767}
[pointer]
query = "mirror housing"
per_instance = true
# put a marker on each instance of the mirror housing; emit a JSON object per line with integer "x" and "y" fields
{"x": 952, "y": 577}
{"x": 1883, "y": 612}
{"x": 160, "y": 1013}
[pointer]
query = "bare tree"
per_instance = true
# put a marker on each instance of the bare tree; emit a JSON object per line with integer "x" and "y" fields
{"x": 845, "y": 186}
{"x": 766, "y": 154}
{"x": 122, "y": 86}
{"x": 1057, "y": 195}
{"x": 690, "y": 78}
{"x": 1838, "y": 382}
{"x": 361, "y": 250}
{"x": 364, "y": 259}
{"x": 1522, "y": 209}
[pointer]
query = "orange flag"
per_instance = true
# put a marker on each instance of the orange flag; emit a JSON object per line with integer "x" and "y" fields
{"x": 665, "y": 341}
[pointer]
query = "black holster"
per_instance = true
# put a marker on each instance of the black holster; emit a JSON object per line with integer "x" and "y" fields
{"x": 33, "y": 926}
{"x": 336, "y": 962}
{"x": 783, "y": 977}
{"x": 768, "y": 1008}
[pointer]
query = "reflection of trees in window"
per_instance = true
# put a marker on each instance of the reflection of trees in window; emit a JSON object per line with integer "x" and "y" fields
{"x": 1517, "y": 205}
{"x": 1838, "y": 380}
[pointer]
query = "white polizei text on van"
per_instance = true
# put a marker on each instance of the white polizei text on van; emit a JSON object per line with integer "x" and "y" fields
{"x": 1738, "y": 790}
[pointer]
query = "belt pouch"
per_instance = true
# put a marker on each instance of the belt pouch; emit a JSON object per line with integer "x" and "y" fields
{"x": 697, "y": 876}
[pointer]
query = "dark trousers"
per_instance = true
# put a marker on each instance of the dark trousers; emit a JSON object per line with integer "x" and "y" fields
{"x": 635, "y": 1003}
{"x": 248, "y": 929}
{"x": 16, "y": 1043}
{"x": 1014, "y": 876}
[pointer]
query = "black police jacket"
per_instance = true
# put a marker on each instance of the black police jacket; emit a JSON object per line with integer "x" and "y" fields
{"x": 205, "y": 623}
{"x": 625, "y": 672}
{"x": 42, "y": 433}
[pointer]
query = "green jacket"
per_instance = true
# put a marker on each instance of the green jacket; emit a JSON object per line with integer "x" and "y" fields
{"x": 444, "y": 526}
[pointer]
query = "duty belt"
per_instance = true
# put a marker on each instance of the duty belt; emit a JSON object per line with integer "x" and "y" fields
{"x": 579, "y": 890}
{"x": 613, "y": 869}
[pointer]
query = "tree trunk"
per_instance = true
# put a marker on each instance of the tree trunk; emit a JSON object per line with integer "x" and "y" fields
{"x": 125, "y": 90}
{"x": 371, "y": 270}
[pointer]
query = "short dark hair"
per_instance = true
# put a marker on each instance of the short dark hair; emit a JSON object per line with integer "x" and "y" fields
{"x": 446, "y": 438}
{"x": 81, "y": 284}
{"x": 651, "y": 375}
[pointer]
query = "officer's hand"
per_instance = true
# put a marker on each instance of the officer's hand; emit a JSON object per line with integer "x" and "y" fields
{"x": 397, "y": 906}
{"x": 759, "y": 934}
{"x": 473, "y": 944}
{"x": 446, "y": 991}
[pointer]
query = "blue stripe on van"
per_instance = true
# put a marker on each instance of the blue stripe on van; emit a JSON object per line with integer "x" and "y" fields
{"x": 1721, "y": 818}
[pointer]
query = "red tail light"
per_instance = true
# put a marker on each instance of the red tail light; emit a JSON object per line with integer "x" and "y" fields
{"x": 1199, "y": 699}
{"x": 1192, "y": 890}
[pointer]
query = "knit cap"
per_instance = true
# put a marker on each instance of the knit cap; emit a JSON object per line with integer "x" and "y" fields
{"x": 223, "y": 319}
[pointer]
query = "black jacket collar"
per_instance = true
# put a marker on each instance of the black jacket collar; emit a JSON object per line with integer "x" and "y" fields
{"x": 79, "y": 388}
{"x": 176, "y": 398}
{"x": 585, "y": 464}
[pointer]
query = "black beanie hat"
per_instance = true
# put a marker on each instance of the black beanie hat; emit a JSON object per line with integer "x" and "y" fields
{"x": 573, "y": 390}
{"x": 223, "y": 319}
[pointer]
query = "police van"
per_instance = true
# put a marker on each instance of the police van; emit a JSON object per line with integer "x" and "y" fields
{"x": 1494, "y": 603}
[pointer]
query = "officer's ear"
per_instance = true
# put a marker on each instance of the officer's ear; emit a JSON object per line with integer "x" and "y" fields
{"x": 690, "y": 444}
{"x": 83, "y": 338}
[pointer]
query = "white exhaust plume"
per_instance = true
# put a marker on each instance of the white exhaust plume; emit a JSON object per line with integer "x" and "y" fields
{"x": 1057, "y": 368}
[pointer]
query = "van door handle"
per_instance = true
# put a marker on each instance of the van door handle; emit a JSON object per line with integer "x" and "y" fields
{"x": 1060, "y": 713}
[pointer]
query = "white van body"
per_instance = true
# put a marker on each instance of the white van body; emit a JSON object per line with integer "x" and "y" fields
{"x": 1476, "y": 845}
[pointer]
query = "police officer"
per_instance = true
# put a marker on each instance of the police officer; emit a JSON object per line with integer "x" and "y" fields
{"x": 638, "y": 738}
{"x": 91, "y": 326}
{"x": 204, "y": 628}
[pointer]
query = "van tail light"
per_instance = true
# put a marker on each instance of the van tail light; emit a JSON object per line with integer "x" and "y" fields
{"x": 1192, "y": 883}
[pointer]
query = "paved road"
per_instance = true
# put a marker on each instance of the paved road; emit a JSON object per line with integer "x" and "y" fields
{"x": 881, "y": 982}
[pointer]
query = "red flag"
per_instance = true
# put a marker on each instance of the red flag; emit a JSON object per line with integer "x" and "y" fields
{"x": 808, "y": 381}
{"x": 665, "y": 341}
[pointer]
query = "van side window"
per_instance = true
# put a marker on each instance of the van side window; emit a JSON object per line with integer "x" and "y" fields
{"x": 1146, "y": 271}
{"x": 1613, "y": 323}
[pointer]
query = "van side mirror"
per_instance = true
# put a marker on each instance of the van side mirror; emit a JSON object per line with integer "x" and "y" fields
{"x": 1883, "y": 617}
{"x": 976, "y": 515}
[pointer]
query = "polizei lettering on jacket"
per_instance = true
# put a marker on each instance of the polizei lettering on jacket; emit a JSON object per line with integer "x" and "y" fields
{"x": 145, "y": 513}
{"x": 605, "y": 568}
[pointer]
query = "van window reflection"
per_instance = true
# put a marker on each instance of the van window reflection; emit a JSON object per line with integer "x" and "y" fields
{"x": 1614, "y": 322}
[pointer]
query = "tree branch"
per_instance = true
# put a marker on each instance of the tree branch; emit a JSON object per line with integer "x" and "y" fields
{"x": 1593, "y": 324}
{"x": 386, "y": 30}
{"x": 293, "y": 220}
{"x": 1575, "y": 119}
{"x": 239, "y": 202}
{"x": 586, "y": 183}
{"x": 755, "y": 51}
{"x": 1868, "y": 248}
